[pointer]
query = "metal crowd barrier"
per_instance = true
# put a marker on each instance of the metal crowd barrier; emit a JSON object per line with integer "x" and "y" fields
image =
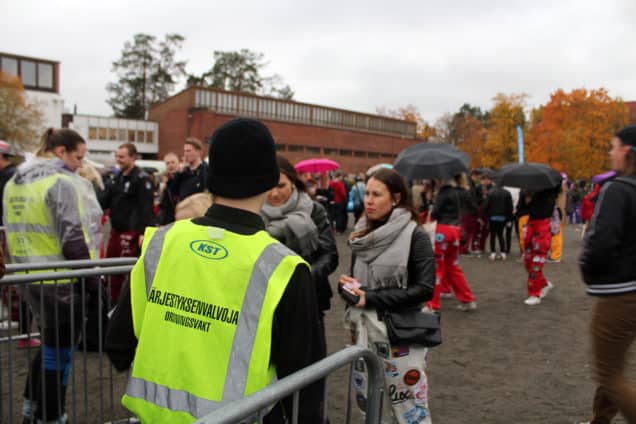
{"x": 258, "y": 403}
{"x": 94, "y": 388}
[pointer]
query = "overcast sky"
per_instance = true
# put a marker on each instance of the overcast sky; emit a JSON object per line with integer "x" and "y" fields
{"x": 355, "y": 55}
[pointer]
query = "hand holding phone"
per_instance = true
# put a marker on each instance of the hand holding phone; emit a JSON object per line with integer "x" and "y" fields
{"x": 348, "y": 291}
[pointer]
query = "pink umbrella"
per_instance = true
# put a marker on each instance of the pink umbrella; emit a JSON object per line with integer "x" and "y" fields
{"x": 316, "y": 165}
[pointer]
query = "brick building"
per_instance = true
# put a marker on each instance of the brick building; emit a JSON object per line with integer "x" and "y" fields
{"x": 355, "y": 140}
{"x": 632, "y": 111}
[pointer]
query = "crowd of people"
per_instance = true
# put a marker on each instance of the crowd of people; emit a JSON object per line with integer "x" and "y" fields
{"x": 252, "y": 242}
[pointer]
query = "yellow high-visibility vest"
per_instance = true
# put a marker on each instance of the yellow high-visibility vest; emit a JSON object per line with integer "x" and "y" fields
{"x": 203, "y": 301}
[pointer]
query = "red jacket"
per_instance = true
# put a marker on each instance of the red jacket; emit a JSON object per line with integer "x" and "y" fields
{"x": 587, "y": 206}
{"x": 339, "y": 191}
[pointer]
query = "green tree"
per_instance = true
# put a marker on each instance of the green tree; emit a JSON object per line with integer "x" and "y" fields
{"x": 20, "y": 121}
{"x": 147, "y": 72}
{"x": 242, "y": 71}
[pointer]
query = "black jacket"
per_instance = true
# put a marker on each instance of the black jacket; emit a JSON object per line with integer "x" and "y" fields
{"x": 542, "y": 203}
{"x": 608, "y": 262}
{"x": 498, "y": 203}
{"x": 323, "y": 261}
{"x": 450, "y": 204}
{"x": 184, "y": 184}
{"x": 5, "y": 176}
{"x": 130, "y": 199}
{"x": 421, "y": 279}
{"x": 297, "y": 339}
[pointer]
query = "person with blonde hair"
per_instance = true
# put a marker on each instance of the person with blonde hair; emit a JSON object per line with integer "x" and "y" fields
{"x": 193, "y": 206}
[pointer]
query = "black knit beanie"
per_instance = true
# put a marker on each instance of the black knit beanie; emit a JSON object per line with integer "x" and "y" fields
{"x": 242, "y": 158}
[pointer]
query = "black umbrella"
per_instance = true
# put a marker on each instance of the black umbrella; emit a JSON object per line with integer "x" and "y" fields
{"x": 431, "y": 160}
{"x": 488, "y": 172}
{"x": 529, "y": 176}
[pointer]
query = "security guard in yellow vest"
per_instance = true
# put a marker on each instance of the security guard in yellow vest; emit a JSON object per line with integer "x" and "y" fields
{"x": 49, "y": 213}
{"x": 216, "y": 308}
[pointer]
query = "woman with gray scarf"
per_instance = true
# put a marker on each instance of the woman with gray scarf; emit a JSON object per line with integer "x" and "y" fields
{"x": 302, "y": 225}
{"x": 393, "y": 269}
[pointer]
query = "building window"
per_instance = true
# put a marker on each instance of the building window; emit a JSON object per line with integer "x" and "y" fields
{"x": 360, "y": 154}
{"x": 131, "y": 136}
{"x": 45, "y": 75}
{"x": 387, "y": 156}
{"x": 140, "y": 136}
{"x": 150, "y": 137}
{"x": 10, "y": 66}
{"x": 102, "y": 134}
{"x": 121, "y": 135}
{"x": 312, "y": 150}
{"x": 112, "y": 134}
{"x": 280, "y": 147}
{"x": 295, "y": 148}
{"x": 28, "y": 73}
{"x": 374, "y": 155}
{"x": 331, "y": 152}
{"x": 92, "y": 133}
{"x": 346, "y": 152}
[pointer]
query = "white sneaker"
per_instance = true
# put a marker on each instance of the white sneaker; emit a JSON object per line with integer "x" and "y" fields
{"x": 545, "y": 290}
{"x": 468, "y": 306}
{"x": 493, "y": 256}
{"x": 503, "y": 256}
{"x": 532, "y": 300}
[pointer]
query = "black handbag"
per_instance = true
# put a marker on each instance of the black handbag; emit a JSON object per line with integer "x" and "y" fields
{"x": 413, "y": 327}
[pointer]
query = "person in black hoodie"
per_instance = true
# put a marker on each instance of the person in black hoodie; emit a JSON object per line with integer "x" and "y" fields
{"x": 450, "y": 201}
{"x": 537, "y": 242}
{"x": 608, "y": 268}
{"x": 498, "y": 208}
{"x": 243, "y": 168}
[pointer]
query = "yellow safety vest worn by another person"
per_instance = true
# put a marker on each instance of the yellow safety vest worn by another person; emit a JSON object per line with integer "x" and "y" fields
{"x": 203, "y": 301}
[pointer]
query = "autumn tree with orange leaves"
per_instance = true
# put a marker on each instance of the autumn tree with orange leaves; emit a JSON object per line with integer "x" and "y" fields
{"x": 20, "y": 120}
{"x": 500, "y": 147}
{"x": 572, "y": 131}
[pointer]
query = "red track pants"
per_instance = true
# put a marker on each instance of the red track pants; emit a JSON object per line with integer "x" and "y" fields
{"x": 121, "y": 244}
{"x": 537, "y": 244}
{"x": 447, "y": 271}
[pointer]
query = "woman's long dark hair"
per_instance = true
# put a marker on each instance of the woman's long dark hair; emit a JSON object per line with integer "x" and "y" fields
{"x": 288, "y": 169}
{"x": 396, "y": 185}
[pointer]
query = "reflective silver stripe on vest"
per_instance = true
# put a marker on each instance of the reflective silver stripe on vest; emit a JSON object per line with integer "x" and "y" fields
{"x": 31, "y": 228}
{"x": 152, "y": 255}
{"x": 241, "y": 352}
{"x": 36, "y": 259}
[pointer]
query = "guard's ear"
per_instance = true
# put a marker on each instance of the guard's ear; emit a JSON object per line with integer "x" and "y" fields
{"x": 396, "y": 198}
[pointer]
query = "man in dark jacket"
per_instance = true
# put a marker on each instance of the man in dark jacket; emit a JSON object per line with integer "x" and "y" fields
{"x": 190, "y": 180}
{"x": 609, "y": 270}
{"x": 498, "y": 209}
{"x": 130, "y": 200}
{"x": 295, "y": 334}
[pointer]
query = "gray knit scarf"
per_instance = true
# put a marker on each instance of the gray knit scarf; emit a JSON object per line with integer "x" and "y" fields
{"x": 292, "y": 225}
{"x": 381, "y": 256}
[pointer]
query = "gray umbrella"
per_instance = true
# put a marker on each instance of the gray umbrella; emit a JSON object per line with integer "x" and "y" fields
{"x": 431, "y": 160}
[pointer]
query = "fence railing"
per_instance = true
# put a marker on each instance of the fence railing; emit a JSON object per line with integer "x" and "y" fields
{"x": 93, "y": 388}
{"x": 82, "y": 263}
{"x": 257, "y": 403}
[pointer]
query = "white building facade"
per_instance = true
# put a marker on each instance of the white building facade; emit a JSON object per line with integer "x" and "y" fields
{"x": 104, "y": 135}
